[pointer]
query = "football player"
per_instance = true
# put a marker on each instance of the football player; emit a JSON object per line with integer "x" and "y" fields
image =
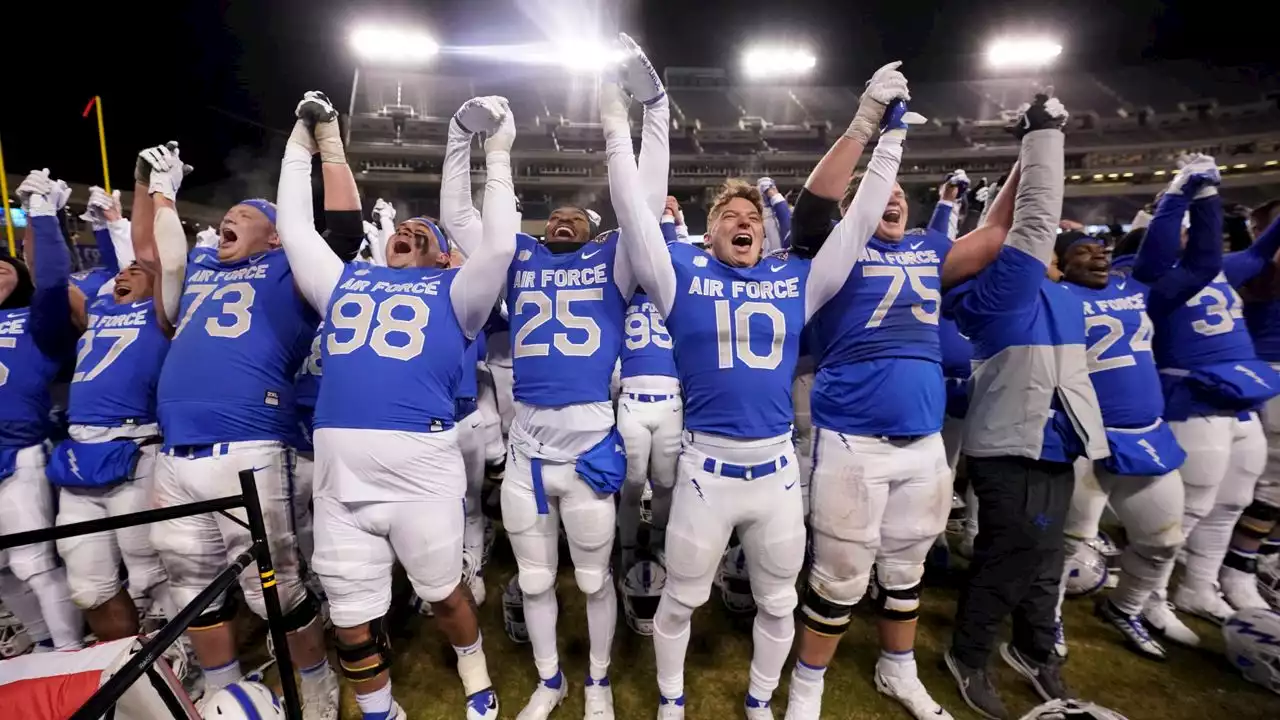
{"x": 1214, "y": 384}
{"x": 882, "y": 486}
{"x": 107, "y": 465}
{"x": 237, "y": 316}
{"x": 566, "y": 300}
{"x": 36, "y": 337}
{"x": 735, "y": 319}
{"x": 1140, "y": 479}
{"x": 390, "y": 476}
{"x": 111, "y": 234}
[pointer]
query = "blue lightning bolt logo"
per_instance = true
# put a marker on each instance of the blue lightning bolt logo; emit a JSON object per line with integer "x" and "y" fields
{"x": 1248, "y": 629}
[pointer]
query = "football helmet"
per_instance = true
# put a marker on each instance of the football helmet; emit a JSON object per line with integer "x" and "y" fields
{"x": 1086, "y": 571}
{"x": 734, "y": 583}
{"x": 646, "y": 504}
{"x": 641, "y": 591}
{"x": 1071, "y": 710}
{"x": 14, "y": 640}
{"x": 1253, "y": 645}
{"x": 1111, "y": 556}
{"x": 1269, "y": 580}
{"x": 244, "y": 700}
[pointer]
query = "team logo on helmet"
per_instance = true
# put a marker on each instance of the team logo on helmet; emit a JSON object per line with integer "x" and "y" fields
{"x": 641, "y": 591}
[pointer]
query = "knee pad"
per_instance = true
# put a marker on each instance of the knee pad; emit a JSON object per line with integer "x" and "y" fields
{"x": 824, "y": 617}
{"x": 88, "y": 593}
{"x": 211, "y": 619}
{"x": 537, "y": 581}
{"x": 1258, "y": 520}
{"x": 364, "y": 661}
{"x": 591, "y": 580}
{"x": 897, "y": 605}
{"x": 303, "y": 614}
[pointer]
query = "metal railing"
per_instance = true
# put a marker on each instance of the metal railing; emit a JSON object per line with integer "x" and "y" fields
{"x": 105, "y": 698}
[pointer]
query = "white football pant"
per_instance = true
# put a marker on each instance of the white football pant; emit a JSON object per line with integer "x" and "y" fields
{"x": 1150, "y": 509}
{"x": 1225, "y": 457}
{"x": 1268, "y": 488}
{"x": 875, "y": 501}
{"x": 93, "y": 561}
{"x": 26, "y": 503}
{"x": 195, "y": 549}
{"x": 471, "y": 443}
{"x": 588, "y": 519}
{"x": 304, "y": 472}
{"x": 495, "y": 446}
{"x": 801, "y": 396}
{"x": 768, "y": 514}
{"x": 651, "y": 434}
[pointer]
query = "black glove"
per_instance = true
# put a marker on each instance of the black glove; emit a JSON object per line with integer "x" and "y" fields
{"x": 1043, "y": 113}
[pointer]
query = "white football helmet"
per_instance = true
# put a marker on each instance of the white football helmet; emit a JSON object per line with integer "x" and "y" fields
{"x": 1086, "y": 571}
{"x": 1110, "y": 554}
{"x": 1253, "y": 645}
{"x": 734, "y": 583}
{"x": 1071, "y": 710}
{"x": 244, "y": 700}
{"x": 14, "y": 640}
{"x": 641, "y": 591}
{"x": 1269, "y": 580}
{"x": 513, "y": 612}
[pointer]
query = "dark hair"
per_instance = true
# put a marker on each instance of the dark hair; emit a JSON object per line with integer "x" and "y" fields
{"x": 1265, "y": 214}
{"x": 1129, "y": 244}
{"x": 22, "y": 292}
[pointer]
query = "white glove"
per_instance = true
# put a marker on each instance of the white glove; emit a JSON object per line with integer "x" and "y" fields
{"x": 502, "y": 137}
{"x": 42, "y": 195}
{"x": 207, "y": 238}
{"x": 764, "y": 185}
{"x": 95, "y": 212}
{"x": 593, "y": 217}
{"x": 983, "y": 194}
{"x": 384, "y": 212}
{"x": 613, "y": 110}
{"x": 167, "y": 169}
{"x": 1200, "y": 171}
{"x": 480, "y": 114}
{"x": 885, "y": 86}
{"x": 637, "y": 75}
{"x": 36, "y": 183}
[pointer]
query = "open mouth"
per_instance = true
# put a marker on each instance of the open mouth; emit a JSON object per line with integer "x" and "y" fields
{"x": 1099, "y": 265}
{"x": 743, "y": 240}
{"x": 401, "y": 247}
{"x": 229, "y": 237}
{"x": 122, "y": 290}
{"x": 892, "y": 215}
{"x": 562, "y": 232}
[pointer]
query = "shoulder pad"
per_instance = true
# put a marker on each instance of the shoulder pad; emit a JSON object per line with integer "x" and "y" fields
{"x": 917, "y": 231}
{"x": 780, "y": 254}
{"x": 603, "y": 237}
{"x": 81, "y": 275}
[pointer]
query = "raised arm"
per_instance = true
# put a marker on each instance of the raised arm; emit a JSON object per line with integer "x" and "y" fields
{"x": 655, "y": 134}
{"x": 96, "y": 213}
{"x": 484, "y": 275}
{"x": 820, "y": 197}
{"x": 839, "y": 253}
{"x": 316, "y": 269}
{"x": 1201, "y": 260}
{"x": 978, "y": 249}
{"x": 641, "y": 237}
{"x": 1013, "y": 281}
{"x": 384, "y": 216}
{"x": 50, "y": 259}
{"x": 1242, "y": 266}
{"x": 164, "y": 170}
{"x": 457, "y": 214}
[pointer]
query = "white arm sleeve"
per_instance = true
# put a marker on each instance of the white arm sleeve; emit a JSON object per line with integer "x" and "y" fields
{"x": 378, "y": 242}
{"x": 834, "y": 262}
{"x": 171, "y": 250}
{"x": 316, "y": 270}
{"x": 641, "y": 237}
{"x": 484, "y": 275}
{"x": 655, "y": 154}
{"x": 122, "y": 241}
{"x": 772, "y": 240}
{"x": 457, "y": 214}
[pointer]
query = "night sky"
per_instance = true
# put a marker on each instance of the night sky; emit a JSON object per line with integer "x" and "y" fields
{"x": 222, "y": 77}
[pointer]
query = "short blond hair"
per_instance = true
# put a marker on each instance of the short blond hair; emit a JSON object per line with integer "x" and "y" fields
{"x": 731, "y": 189}
{"x": 854, "y": 183}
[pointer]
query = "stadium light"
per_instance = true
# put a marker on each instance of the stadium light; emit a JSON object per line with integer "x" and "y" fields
{"x": 775, "y": 62}
{"x": 393, "y": 45}
{"x": 1022, "y": 53}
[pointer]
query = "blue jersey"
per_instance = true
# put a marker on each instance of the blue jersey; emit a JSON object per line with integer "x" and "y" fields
{"x": 391, "y": 350}
{"x": 468, "y": 388}
{"x": 243, "y": 331}
{"x": 91, "y": 281}
{"x": 647, "y": 350}
{"x": 118, "y": 365}
{"x": 1118, "y": 348}
{"x": 878, "y": 339}
{"x": 1208, "y": 329}
{"x": 566, "y": 318}
{"x": 1263, "y": 320}
{"x": 25, "y": 374}
{"x": 957, "y": 351}
{"x": 307, "y": 387}
{"x": 737, "y": 339}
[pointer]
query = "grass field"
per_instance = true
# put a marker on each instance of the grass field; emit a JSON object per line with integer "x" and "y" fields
{"x": 1192, "y": 684}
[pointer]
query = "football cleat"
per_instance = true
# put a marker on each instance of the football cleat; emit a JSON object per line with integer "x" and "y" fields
{"x": 1132, "y": 627}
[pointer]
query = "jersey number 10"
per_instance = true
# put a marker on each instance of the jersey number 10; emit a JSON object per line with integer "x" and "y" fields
{"x": 733, "y": 330}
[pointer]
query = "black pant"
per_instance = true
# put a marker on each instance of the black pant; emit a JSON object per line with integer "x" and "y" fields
{"x": 1017, "y": 556}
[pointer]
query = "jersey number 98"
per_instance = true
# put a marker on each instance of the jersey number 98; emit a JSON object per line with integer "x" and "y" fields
{"x": 378, "y": 336}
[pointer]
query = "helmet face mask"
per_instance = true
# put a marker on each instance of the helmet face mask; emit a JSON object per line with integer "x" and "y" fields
{"x": 1269, "y": 581}
{"x": 513, "y": 612}
{"x": 641, "y": 592}
{"x": 14, "y": 640}
{"x": 734, "y": 583}
{"x": 1071, "y": 710}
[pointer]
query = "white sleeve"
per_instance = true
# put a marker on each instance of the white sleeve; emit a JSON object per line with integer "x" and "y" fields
{"x": 457, "y": 213}
{"x": 316, "y": 270}
{"x": 483, "y": 276}
{"x": 171, "y": 251}
{"x": 833, "y": 263}
{"x": 640, "y": 236}
{"x": 772, "y": 240}
{"x": 122, "y": 241}
{"x": 655, "y": 154}
{"x": 378, "y": 242}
